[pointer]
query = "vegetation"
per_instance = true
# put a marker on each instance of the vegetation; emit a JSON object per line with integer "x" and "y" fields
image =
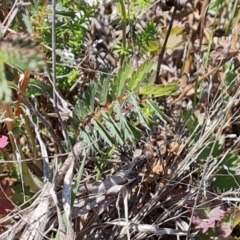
{"x": 119, "y": 120}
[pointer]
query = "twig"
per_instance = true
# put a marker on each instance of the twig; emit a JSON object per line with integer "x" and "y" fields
{"x": 12, "y": 14}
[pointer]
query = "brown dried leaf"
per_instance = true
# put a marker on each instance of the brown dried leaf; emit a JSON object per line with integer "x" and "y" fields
{"x": 156, "y": 167}
{"x": 223, "y": 52}
{"x": 176, "y": 148}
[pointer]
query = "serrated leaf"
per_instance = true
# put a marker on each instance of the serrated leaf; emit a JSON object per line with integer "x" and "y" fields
{"x": 81, "y": 110}
{"x": 103, "y": 133}
{"x": 138, "y": 111}
{"x": 21, "y": 52}
{"x": 136, "y": 132}
{"x": 113, "y": 128}
{"x": 123, "y": 75}
{"x": 88, "y": 140}
{"x": 157, "y": 111}
{"x": 124, "y": 128}
{"x": 158, "y": 90}
{"x": 27, "y": 21}
{"x": 90, "y": 97}
{"x": 138, "y": 76}
{"x": 103, "y": 89}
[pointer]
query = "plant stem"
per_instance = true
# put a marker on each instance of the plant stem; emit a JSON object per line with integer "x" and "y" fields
{"x": 160, "y": 57}
{"x": 124, "y": 26}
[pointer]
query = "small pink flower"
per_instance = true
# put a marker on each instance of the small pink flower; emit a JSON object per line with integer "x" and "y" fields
{"x": 3, "y": 141}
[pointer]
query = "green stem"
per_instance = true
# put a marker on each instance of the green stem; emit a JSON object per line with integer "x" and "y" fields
{"x": 124, "y": 26}
{"x": 230, "y": 23}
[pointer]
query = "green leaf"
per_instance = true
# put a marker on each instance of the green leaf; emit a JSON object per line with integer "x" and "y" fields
{"x": 27, "y": 21}
{"x": 216, "y": 151}
{"x": 13, "y": 85}
{"x": 33, "y": 87}
{"x": 157, "y": 110}
{"x": 75, "y": 188}
{"x": 153, "y": 46}
{"x": 90, "y": 97}
{"x": 21, "y": 53}
{"x": 103, "y": 89}
{"x": 88, "y": 140}
{"x": 103, "y": 133}
{"x": 215, "y": 4}
{"x": 139, "y": 75}
{"x": 18, "y": 197}
{"x": 123, "y": 125}
{"x": 30, "y": 179}
{"x": 176, "y": 30}
{"x": 159, "y": 91}
{"x": 138, "y": 111}
{"x": 136, "y": 132}
{"x": 66, "y": 14}
{"x": 5, "y": 92}
{"x": 113, "y": 128}
{"x": 227, "y": 178}
{"x": 120, "y": 81}
{"x": 81, "y": 110}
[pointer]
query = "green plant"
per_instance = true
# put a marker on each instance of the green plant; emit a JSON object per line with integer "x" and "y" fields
{"x": 116, "y": 111}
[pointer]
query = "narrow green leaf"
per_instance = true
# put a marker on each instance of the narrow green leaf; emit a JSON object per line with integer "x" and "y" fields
{"x": 136, "y": 132}
{"x": 13, "y": 85}
{"x": 88, "y": 140}
{"x": 157, "y": 111}
{"x": 57, "y": 237}
{"x": 123, "y": 75}
{"x": 66, "y": 14}
{"x": 30, "y": 179}
{"x": 138, "y": 111}
{"x": 113, "y": 128}
{"x": 90, "y": 97}
{"x": 159, "y": 91}
{"x": 5, "y": 92}
{"x": 78, "y": 179}
{"x": 122, "y": 122}
{"x": 139, "y": 75}
{"x": 34, "y": 87}
{"x": 103, "y": 132}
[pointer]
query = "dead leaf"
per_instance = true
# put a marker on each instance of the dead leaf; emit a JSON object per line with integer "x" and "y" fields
{"x": 156, "y": 167}
{"x": 6, "y": 193}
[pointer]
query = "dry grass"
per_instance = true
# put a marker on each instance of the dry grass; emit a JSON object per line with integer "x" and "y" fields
{"x": 154, "y": 188}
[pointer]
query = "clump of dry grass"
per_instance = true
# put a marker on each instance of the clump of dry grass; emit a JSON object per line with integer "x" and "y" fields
{"x": 159, "y": 186}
